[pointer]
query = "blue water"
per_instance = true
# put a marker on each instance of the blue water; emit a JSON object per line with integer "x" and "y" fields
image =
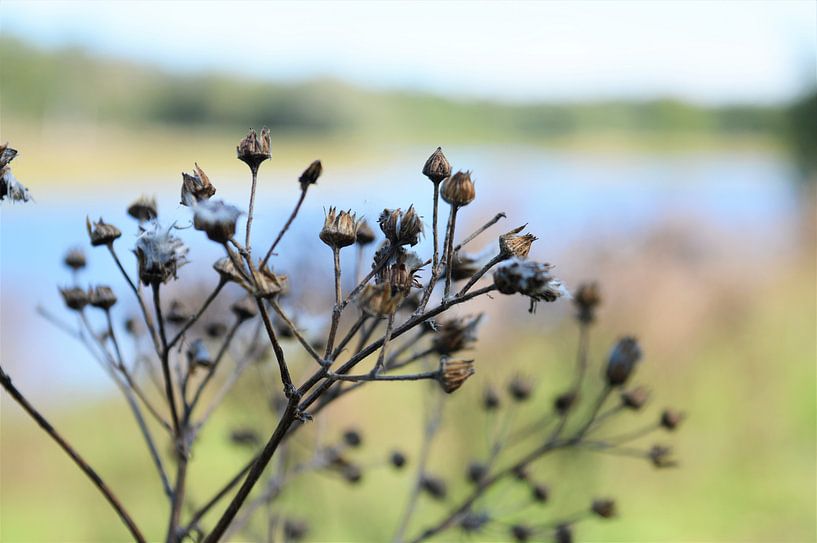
{"x": 567, "y": 198}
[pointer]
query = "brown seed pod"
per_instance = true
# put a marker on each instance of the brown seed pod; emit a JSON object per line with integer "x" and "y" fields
{"x": 458, "y": 190}
{"x": 453, "y": 373}
{"x": 437, "y": 167}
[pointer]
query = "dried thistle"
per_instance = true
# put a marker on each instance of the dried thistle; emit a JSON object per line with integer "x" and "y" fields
{"x": 10, "y": 187}
{"x": 401, "y": 228}
{"x": 622, "y": 361}
{"x": 587, "y": 298}
{"x": 75, "y": 298}
{"x": 380, "y": 300}
{"x": 196, "y": 187}
{"x": 365, "y": 234}
{"x": 604, "y": 508}
{"x": 513, "y": 245}
{"x": 671, "y": 419}
{"x": 143, "y": 209}
{"x": 216, "y": 219}
{"x": 453, "y": 373}
{"x": 635, "y": 398}
{"x": 533, "y": 279}
{"x": 75, "y": 259}
{"x": 269, "y": 284}
{"x": 454, "y": 335}
{"x": 458, "y": 190}
{"x": 311, "y": 174}
{"x": 339, "y": 229}
{"x": 254, "y": 148}
{"x": 102, "y": 297}
{"x": 102, "y": 233}
{"x": 160, "y": 254}
{"x": 437, "y": 167}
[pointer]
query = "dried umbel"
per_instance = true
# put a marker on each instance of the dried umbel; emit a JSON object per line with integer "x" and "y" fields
{"x": 75, "y": 298}
{"x": 365, "y": 234}
{"x": 339, "y": 228}
{"x": 533, "y": 279}
{"x": 661, "y": 457}
{"x": 586, "y": 299}
{"x": 635, "y": 398}
{"x": 401, "y": 228}
{"x": 622, "y": 361}
{"x": 196, "y": 187}
{"x": 143, "y": 209}
{"x": 102, "y": 297}
{"x": 216, "y": 219}
{"x": 511, "y": 244}
{"x": 102, "y": 233}
{"x": 380, "y": 299}
{"x": 671, "y": 419}
{"x": 604, "y": 508}
{"x": 254, "y": 148}
{"x": 160, "y": 254}
{"x": 75, "y": 259}
{"x": 198, "y": 355}
{"x": 10, "y": 188}
{"x": 458, "y": 190}
{"x": 437, "y": 167}
{"x": 454, "y": 335}
{"x": 453, "y": 373}
{"x": 311, "y": 174}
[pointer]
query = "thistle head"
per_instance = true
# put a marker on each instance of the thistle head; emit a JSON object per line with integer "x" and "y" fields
{"x": 453, "y": 373}
{"x": 458, "y": 190}
{"x": 437, "y": 167}
{"x": 75, "y": 298}
{"x": 511, "y": 244}
{"x": 160, "y": 254}
{"x": 196, "y": 187}
{"x": 102, "y": 297}
{"x": 586, "y": 298}
{"x": 102, "y": 233}
{"x": 311, "y": 174}
{"x": 339, "y": 228}
{"x": 144, "y": 209}
{"x": 622, "y": 361}
{"x": 216, "y": 219}
{"x": 254, "y": 148}
{"x": 401, "y": 228}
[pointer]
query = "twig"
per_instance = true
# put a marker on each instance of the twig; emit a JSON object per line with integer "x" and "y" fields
{"x": 198, "y": 314}
{"x": 304, "y": 188}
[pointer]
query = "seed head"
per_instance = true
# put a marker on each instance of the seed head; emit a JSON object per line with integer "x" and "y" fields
{"x": 143, "y": 209}
{"x": 216, "y": 219}
{"x": 352, "y": 473}
{"x": 458, "y": 190}
{"x": 75, "y": 259}
{"x": 455, "y": 335}
{"x": 635, "y": 398}
{"x": 671, "y": 419}
{"x": 198, "y": 355}
{"x": 434, "y": 487}
{"x": 196, "y": 187}
{"x": 463, "y": 266}
{"x": 215, "y": 329}
{"x": 75, "y": 298}
{"x": 245, "y": 308}
{"x": 476, "y": 472}
{"x": 453, "y": 373}
{"x": 295, "y": 530}
{"x": 540, "y": 493}
{"x": 401, "y": 274}
{"x": 437, "y": 167}
{"x": 622, "y": 361}
{"x": 530, "y": 278}
{"x": 269, "y": 284}
{"x": 9, "y": 186}
{"x": 227, "y": 270}
{"x": 245, "y": 436}
{"x": 563, "y": 534}
{"x": 311, "y": 174}
{"x": 564, "y": 402}
{"x": 102, "y": 233}
{"x": 254, "y": 148}
{"x": 661, "y": 457}
{"x": 587, "y": 298}
{"x": 102, "y": 297}
{"x": 520, "y": 389}
{"x": 604, "y": 508}
{"x": 365, "y": 234}
{"x": 352, "y": 437}
{"x": 339, "y": 229}
{"x": 490, "y": 399}
{"x": 512, "y": 244}
{"x": 397, "y": 459}
{"x": 474, "y": 522}
{"x": 7, "y": 154}
{"x": 178, "y": 313}
{"x": 401, "y": 228}
{"x": 521, "y": 533}
{"x": 380, "y": 300}
{"x": 160, "y": 254}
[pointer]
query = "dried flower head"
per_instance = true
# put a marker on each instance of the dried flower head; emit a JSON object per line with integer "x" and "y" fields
{"x": 490, "y": 399}
{"x": 178, "y": 313}
{"x": 402, "y": 272}
{"x": 380, "y": 300}
{"x": 216, "y": 219}
{"x": 635, "y": 398}
{"x": 245, "y": 308}
{"x": 352, "y": 437}
{"x": 365, "y": 234}
{"x": 160, "y": 254}
{"x": 671, "y": 419}
{"x": 533, "y": 279}
{"x": 622, "y": 361}
{"x": 604, "y": 508}
{"x": 474, "y": 522}
{"x": 144, "y": 209}
{"x": 520, "y": 388}
{"x": 102, "y": 233}
{"x": 196, "y": 187}
{"x": 295, "y": 530}
{"x": 563, "y": 534}
{"x": 397, "y": 459}
{"x": 587, "y": 298}
{"x": 7, "y": 154}
{"x": 245, "y": 437}
{"x": 453, "y": 373}
{"x": 75, "y": 259}
{"x": 661, "y": 457}
{"x": 254, "y": 148}
{"x": 339, "y": 229}
{"x": 455, "y": 334}
{"x": 565, "y": 401}
{"x": 102, "y": 297}
{"x": 401, "y": 228}
{"x": 352, "y": 473}
{"x": 227, "y": 271}
{"x": 512, "y": 244}
{"x": 540, "y": 493}
{"x": 521, "y": 533}
{"x": 75, "y": 298}
{"x": 464, "y": 266}
{"x": 476, "y": 472}
{"x": 10, "y": 187}
{"x": 434, "y": 486}
{"x": 437, "y": 167}
{"x": 311, "y": 174}
{"x": 458, "y": 190}
{"x": 198, "y": 355}
{"x": 267, "y": 283}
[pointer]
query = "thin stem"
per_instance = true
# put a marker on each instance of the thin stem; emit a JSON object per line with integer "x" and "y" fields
{"x": 336, "y": 311}
{"x": 369, "y": 377}
{"x": 178, "y": 499}
{"x": 386, "y": 337}
{"x": 349, "y": 335}
{"x": 212, "y": 370}
{"x": 283, "y": 231}
{"x": 480, "y": 230}
{"x": 198, "y": 314}
{"x": 165, "y": 359}
{"x": 286, "y": 379}
{"x": 251, "y": 208}
{"x": 449, "y": 253}
{"x": 599, "y": 403}
{"x": 137, "y": 292}
{"x": 41, "y": 421}
{"x": 297, "y": 333}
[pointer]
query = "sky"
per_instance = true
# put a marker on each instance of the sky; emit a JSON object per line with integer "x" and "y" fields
{"x": 707, "y": 52}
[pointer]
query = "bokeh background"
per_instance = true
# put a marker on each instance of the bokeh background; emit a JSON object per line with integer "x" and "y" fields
{"x": 665, "y": 149}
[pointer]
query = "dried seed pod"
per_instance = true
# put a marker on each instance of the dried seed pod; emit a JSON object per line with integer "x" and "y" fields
{"x": 401, "y": 228}
{"x": 245, "y": 308}
{"x": 215, "y": 329}
{"x": 455, "y": 335}
{"x": 10, "y": 187}
{"x": 365, "y": 234}
{"x": 622, "y": 361}
{"x": 464, "y": 266}
{"x": 178, "y": 313}
{"x": 453, "y": 373}
{"x": 295, "y": 530}
{"x": 143, "y": 209}
{"x": 159, "y": 254}
{"x": 434, "y": 487}
{"x": 474, "y": 522}
{"x": 437, "y": 167}
{"x": 75, "y": 298}
{"x": 565, "y": 401}
{"x": 352, "y": 437}
{"x": 635, "y": 398}
{"x": 102, "y": 233}
{"x": 586, "y": 298}
{"x": 490, "y": 399}
{"x": 102, "y": 297}
{"x": 563, "y": 534}
{"x": 476, "y": 472}
{"x": 540, "y": 493}
{"x": 520, "y": 389}
{"x": 339, "y": 229}
{"x": 397, "y": 459}
{"x": 671, "y": 419}
{"x": 245, "y": 437}
{"x": 380, "y": 300}
{"x": 7, "y": 154}
{"x": 198, "y": 355}
{"x": 311, "y": 174}
{"x": 196, "y": 187}
{"x": 402, "y": 272}
{"x": 75, "y": 259}
{"x": 532, "y": 279}
{"x": 458, "y": 190}
{"x": 254, "y": 148}
{"x": 521, "y": 533}
{"x": 604, "y": 508}
{"x": 216, "y": 219}
{"x": 227, "y": 271}
{"x": 269, "y": 284}
{"x": 511, "y": 244}
{"x": 352, "y": 473}
{"x": 661, "y": 457}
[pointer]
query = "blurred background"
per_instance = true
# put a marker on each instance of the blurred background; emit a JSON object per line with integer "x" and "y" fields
{"x": 665, "y": 149}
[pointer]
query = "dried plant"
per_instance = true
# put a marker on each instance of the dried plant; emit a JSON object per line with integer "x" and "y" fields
{"x": 392, "y": 325}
